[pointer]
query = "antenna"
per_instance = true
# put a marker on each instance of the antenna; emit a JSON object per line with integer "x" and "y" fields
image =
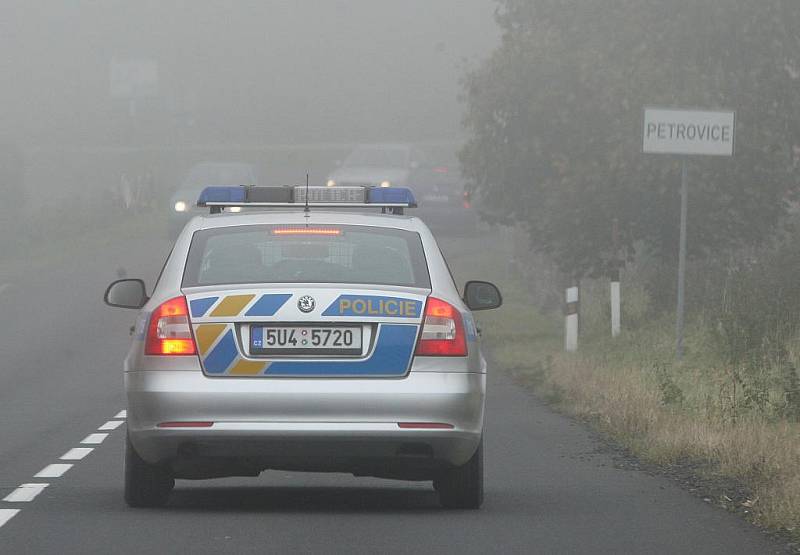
{"x": 307, "y": 209}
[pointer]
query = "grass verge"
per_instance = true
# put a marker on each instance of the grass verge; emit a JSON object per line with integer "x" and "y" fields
{"x": 696, "y": 415}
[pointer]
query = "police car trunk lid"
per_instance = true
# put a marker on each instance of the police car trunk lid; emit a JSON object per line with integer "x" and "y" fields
{"x": 231, "y": 327}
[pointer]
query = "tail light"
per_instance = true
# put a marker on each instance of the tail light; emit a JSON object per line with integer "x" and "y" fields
{"x": 467, "y": 200}
{"x": 442, "y": 331}
{"x": 168, "y": 332}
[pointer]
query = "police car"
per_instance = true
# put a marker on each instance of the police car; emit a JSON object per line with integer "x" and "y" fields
{"x": 305, "y": 336}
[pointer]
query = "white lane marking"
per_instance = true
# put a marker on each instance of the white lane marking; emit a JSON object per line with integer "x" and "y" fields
{"x": 6, "y": 515}
{"x": 25, "y": 493}
{"x": 28, "y": 492}
{"x": 94, "y": 439}
{"x": 111, "y": 425}
{"x": 53, "y": 471}
{"x": 76, "y": 453}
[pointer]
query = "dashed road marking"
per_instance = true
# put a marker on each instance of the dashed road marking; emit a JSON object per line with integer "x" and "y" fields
{"x": 76, "y": 453}
{"x": 28, "y": 492}
{"x": 111, "y": 425}
{"x": 94, "y": 439}
{"x": 53, "y": 471}
{"x": 25, "y": 493}
{"x": 6, "y": 515}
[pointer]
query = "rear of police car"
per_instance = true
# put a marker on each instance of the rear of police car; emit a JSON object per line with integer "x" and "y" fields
{"x": 313, "y": 341}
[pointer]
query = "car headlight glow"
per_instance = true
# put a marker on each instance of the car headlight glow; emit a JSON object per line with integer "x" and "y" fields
{"x": 331, "y": 183}
{"x": 386, "y": 183}
{"x": 180, "y": 206}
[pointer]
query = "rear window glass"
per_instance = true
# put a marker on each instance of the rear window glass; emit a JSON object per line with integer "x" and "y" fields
{"x": 306, "y": 254}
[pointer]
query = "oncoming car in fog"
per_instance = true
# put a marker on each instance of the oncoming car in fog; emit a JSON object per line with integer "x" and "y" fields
{"x": 378, "y": 165}
{"x": 182, "y": 203}
{"x": 309, "y": 339}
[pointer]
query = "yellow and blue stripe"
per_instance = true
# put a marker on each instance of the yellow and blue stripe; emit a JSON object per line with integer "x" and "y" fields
{"x": 231, "y": 306}
{"x": 220, "y": 354}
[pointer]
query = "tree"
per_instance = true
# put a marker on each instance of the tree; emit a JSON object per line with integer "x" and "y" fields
{"x": 555, "y": 116}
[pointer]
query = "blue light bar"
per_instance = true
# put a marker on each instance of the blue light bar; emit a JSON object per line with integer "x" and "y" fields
{"x": 391, "y": 199}
{"x": 222, "y": 194}
{"x": 392, "y": 195}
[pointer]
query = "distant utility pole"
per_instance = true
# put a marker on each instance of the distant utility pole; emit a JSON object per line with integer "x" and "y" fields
{"x": 688, "y": 133}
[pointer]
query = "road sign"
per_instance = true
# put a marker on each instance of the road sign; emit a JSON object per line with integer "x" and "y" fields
{"x": 132, "y": 79}
{"x": 691, "y": 132}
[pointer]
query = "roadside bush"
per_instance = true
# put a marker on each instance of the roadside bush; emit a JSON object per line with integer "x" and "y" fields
{"x": 755, "y": 324}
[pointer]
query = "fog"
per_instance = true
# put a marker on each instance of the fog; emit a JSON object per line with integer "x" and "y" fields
{"x": 261, "y": 72}
{"x": 620, "y": 179}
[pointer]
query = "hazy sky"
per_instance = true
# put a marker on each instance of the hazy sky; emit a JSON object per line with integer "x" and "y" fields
{"x": 263, "y": 71}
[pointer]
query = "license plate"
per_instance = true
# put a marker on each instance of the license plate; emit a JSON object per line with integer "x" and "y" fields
{"x": 313, "y": 340}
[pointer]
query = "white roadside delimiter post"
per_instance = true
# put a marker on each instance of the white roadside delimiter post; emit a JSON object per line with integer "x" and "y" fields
{"x": 616, "y": 301}
{"x": 571, "y": 326}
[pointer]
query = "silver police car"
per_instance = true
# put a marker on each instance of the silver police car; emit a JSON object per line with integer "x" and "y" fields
{"x": 304, "y": 337}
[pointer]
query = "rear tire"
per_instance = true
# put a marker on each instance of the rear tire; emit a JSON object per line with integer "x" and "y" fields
{"x": 146, "y": 485}
{"x": 462, "y": 487}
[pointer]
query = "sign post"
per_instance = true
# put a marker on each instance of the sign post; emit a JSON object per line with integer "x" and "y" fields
{"x": 133, "y": 79}
{"x": 679, "y": 312}
{"x": 687, "y": 133}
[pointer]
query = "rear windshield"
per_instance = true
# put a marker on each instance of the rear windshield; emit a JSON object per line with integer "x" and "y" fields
{"x": 306, "y": 254}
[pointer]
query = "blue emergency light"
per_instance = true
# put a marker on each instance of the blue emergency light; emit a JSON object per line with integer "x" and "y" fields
{"x": 390, "y": 199}
{"x": 388, "y": 195}
{"x": 222, "y": 194}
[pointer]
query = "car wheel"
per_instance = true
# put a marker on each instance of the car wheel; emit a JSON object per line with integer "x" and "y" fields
{"x": 146, "y": 485}
{"x": 462, "y": 487}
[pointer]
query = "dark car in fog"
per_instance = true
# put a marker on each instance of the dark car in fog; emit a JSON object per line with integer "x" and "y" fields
{"x": 444, "y": 203}
{"x": 182, "y": 205}
{"x": 433, "y": 172}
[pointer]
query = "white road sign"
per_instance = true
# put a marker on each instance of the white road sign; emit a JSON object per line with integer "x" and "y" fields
{"x": 693, "y": 132}
{"x": 133, "y": 78}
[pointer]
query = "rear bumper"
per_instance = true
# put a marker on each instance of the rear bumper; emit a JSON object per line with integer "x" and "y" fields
{"x": 344, "y": 425}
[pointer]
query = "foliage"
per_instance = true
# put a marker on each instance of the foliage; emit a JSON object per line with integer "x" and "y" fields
{"x": 756, "y": 320}
{"x": 554, "y": 117}
{"x": 671, "y": 393}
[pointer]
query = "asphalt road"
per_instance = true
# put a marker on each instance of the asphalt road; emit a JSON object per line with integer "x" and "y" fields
{"x": 548, "y": 487}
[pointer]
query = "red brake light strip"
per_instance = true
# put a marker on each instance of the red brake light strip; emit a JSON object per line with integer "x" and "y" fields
{"x": 306, "y": 231}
